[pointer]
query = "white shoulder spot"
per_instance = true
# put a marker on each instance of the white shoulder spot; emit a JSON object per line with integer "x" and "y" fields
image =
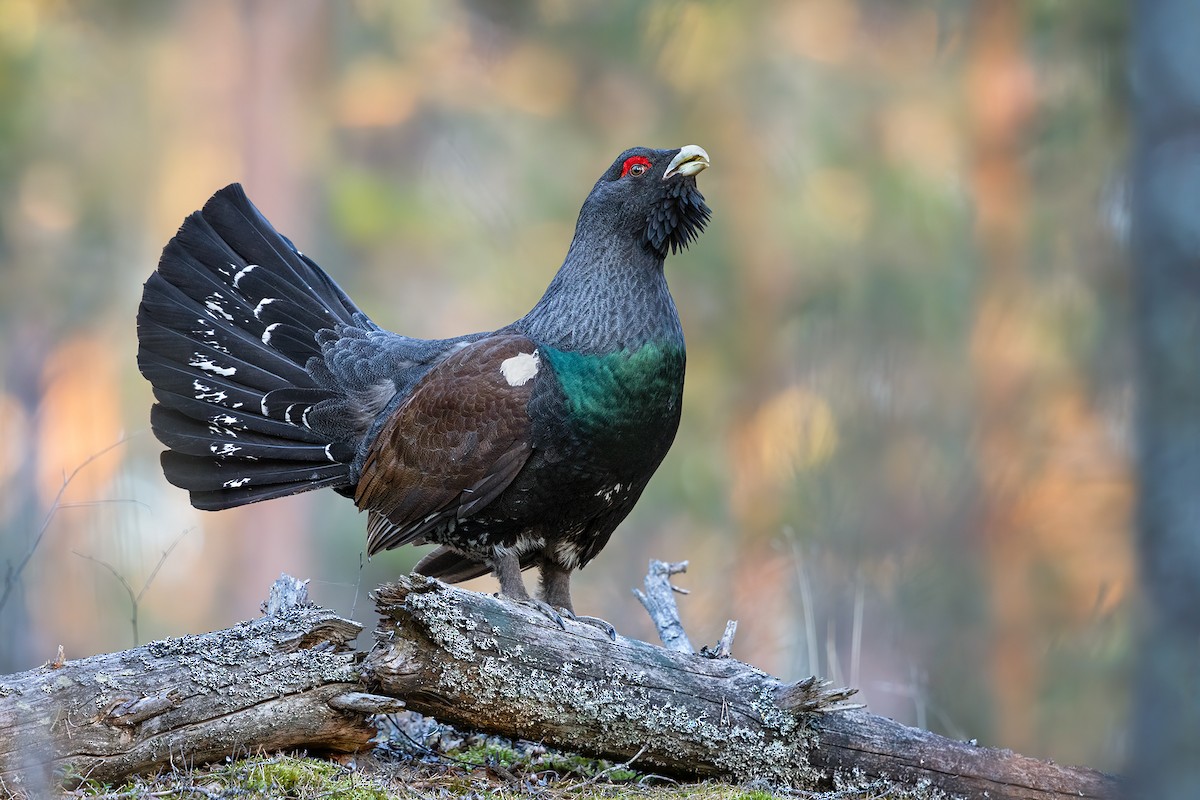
{"x": 520, "y": 368}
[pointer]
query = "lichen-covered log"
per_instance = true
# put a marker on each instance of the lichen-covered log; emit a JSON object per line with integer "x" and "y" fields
{"x": 272, "y": 683}
{"x": 871, "y": 745}
{"x": 486, "y": 663}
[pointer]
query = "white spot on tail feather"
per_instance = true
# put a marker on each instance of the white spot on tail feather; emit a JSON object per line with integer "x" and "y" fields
{"x": 266, "y": 337}
{"x": 242, "y": 273}
{"x": 520, "y": 368}
{"x": 208, "y": 365}
{"x": 266, "y": 301}
{"x": 208, "y": 336}
{"x": 225, "y": 426}
{"x": 224, "y": 449}
{"x": 208, "y": 393}
{"x": 235, "y": 483}
{"x": 213, "y": 304}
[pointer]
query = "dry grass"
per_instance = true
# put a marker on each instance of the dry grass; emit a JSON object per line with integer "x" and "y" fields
{"x": 307, "y": 778}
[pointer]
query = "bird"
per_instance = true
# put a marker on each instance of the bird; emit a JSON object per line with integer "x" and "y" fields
{"x": 510, "y": 449}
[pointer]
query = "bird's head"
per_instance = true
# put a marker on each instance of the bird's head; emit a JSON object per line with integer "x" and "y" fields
{"x": 652, "y": 195}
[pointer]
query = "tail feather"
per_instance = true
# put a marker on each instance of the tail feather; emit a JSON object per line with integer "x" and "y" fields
{"x": 177, "y": 379}
{"x": 452, "y": 566}
{"x": 194, "y": 474}
{"x": 191, "y": 437}
{"x": 283, "y": 302}
{"x": 222, "y": 357}
{"x": 293, "y": 404}
{"x": 227, "y": 424}
{"x": 241, "y": 495}
{"x": 228, "y": 328}
{"x": 292, "y": 341}
{"x": 449, "y": 565}
{"x": 239, "y": 224}
{"x": 167, "y": 309}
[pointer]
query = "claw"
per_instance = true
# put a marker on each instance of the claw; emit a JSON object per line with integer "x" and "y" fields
{"x": 595, "y": 621}
{"x": 548, "y": 610}
{"x": 557, "y": 615}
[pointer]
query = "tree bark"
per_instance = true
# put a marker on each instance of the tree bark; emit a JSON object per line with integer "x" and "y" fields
{"x": 292, "y": 681}
{"x": 272, "y": 683}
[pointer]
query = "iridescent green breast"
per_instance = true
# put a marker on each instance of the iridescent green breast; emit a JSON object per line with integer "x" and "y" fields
{"x": 629, "y": 392}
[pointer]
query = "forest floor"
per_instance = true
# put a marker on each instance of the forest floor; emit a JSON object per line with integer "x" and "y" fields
{"x": 416, "y": 757}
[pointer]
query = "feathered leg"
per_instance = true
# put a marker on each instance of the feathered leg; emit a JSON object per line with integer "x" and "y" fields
{"x": 556, "y": 593}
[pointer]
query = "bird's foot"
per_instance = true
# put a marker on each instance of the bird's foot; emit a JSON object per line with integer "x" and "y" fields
{"x": 557, "y": 615}
{"x": 549, "y": 611}
{"x": 595, "y": 622}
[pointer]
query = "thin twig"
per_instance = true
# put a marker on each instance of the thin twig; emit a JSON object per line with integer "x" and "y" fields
{"x": 831, "y": 652}
{"x": 104, "y": 502}
{"x": 357, "y": 585}
{"x": 725, "y": 644}
{"x": 124, "y": 583}
{"x": 592, "y": 780}
{"x": 857, "y": 631}
{"x": 136, "y": 599}
{"x": 13, "y": 575}
{"x": 162, "y": 560}
{"x": 806, "y": 600}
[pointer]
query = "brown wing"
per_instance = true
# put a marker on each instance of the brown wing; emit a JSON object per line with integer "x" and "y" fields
{"x": 453, "y": 446}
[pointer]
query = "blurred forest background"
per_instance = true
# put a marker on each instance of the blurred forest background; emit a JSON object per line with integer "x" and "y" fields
{"x": 905, "y": 453}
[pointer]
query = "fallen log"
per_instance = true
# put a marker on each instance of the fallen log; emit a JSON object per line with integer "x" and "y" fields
{"x": 292, "y": 680}
{"x": 282, "y": 682}
{"x": 481, "y": 662}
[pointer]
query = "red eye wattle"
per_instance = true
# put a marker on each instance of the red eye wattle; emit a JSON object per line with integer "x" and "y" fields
{"x": 635, "y": 165}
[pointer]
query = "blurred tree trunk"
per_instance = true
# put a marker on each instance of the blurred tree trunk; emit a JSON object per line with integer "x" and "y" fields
{"x": 22, "y": 378}
{"x": 999, "y": 98}
{"x": 1166, "y": 251}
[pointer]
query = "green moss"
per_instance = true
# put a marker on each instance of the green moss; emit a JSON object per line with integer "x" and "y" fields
{"x": 488, "y": 754}
{"x": 494, "y": 754}
{"x": 305, "y": 777}
{"x": 571, "y": 764}
{"x": 276, "y": 777}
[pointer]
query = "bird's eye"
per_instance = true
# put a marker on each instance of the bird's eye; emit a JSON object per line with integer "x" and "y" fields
{"x": 635, "y": 166}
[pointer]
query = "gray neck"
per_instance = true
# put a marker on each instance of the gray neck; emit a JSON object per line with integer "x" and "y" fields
{"x": 609, "y": 295}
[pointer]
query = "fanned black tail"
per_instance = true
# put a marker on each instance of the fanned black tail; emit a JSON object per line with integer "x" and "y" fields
{"x": 226, "y": 327}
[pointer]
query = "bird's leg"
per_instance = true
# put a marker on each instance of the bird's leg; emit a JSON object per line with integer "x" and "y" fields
{"x": 507, "y": 567}
{"x": 556, "y": 591}
{"x": 556, "y": 586}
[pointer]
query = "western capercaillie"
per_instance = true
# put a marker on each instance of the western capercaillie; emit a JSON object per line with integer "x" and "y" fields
{"x": 520, "y": 447}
